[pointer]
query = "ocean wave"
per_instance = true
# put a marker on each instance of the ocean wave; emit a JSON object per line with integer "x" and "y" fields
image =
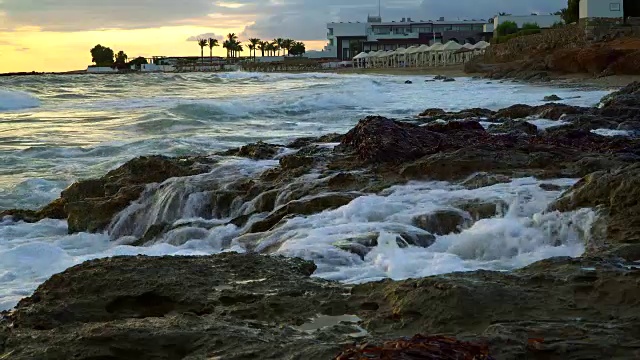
{"x": 17, "y": 100}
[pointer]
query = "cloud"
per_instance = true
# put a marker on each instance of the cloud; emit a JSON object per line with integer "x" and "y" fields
{"x": 205, "y": 36}
{"x": 298, "y": 19}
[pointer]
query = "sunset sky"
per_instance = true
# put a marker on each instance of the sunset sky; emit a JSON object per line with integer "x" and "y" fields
{"x": 56, "y": 35}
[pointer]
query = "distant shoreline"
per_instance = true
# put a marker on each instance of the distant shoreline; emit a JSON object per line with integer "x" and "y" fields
{"x": 562, "y": 80}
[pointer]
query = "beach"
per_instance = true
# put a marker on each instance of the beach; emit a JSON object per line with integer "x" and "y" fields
{"x": 315, "y": 210}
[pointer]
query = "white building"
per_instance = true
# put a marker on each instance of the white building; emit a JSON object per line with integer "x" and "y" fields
{"x": 346, "y": 39}
{"x": 543, "y": 21}
{"x": 602, "y": 9}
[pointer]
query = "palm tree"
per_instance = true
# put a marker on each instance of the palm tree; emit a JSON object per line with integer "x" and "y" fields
{"x": 280, "y": 42}
{"x": 252, "y": 48}
{"x": 287, "y": 44}
{"x": 212, "y": 43}
{"x": 254, "y": 42}
{"x": 237, "y": 47}
{"x": 276, "y": 47}
{"x": 202, "y": 43}
{"x": 263, "y": 45}
{"x": 227, "y": 45}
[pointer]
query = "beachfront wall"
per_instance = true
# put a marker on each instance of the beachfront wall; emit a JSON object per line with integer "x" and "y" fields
{"x": 101, "y": 70}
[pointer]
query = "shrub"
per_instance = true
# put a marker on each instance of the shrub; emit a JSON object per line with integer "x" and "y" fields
{"x": 557, "y": 25}
{"x": 507, "y": 28}
{"x": 530, "y": 26}
{"x": 505, "y": 38}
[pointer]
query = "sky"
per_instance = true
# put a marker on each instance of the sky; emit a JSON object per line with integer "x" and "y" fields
{"x": 56, "y": 35}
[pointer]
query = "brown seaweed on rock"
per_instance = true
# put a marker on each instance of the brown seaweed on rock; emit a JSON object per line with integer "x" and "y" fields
{"x": 418, "y": 347}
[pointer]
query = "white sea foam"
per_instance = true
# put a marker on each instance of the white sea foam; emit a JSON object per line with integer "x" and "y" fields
{"x": 543, "y": 124}
{"x": 85, "y": 126}
{"x": 17, "y": 100}
{"x": 611, "y": 132}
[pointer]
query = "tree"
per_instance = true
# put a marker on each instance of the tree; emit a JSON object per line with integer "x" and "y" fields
{"x": 138, "y": 61}
{"x": 227, "y": 45}
{"x": 237, "y": 48}
{"x": 530, "y": 26}
{"x": 263, "y": 45}
{"x": 121, "y": 58}
{"x": 275, "y": 47}
{"x": 102, "y": 56}
{"x": 571, "y": 13}
{"x": 507, "y": 28}
{"x": 287, "y": 44}
{"x": 212, "y": 43}
{"x": 255, "y": 44}
{"x": 202, "y": 43}
{"x": 297, "y": 48}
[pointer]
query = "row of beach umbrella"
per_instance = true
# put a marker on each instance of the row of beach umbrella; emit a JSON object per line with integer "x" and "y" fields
{"x": 437, "y": 54}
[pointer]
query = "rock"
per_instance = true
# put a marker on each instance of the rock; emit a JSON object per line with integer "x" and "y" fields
{"x": 307, "y": 141}
{"x": 439, "y": 77}
{"x": 305, "y": 206}
{"x": 482, "y": 179}
{"x": 418, "y": 347}
{"x": 553, "y": 97}
{"x": 408, "y": 82}
{"x": 515, "y": 126}
{"x": 548, "y": 111}
{"x": 448, "y": 79}
{"x": 256, "y": 151}
{"x": 443, "y": 222}
{"x": 551, "y": 187}
{"x": 237, "y": 306}
{"x": 614, "y": 193}
{"x": 295, "y": 161}
{"x": 455, "y": 126}
{"x": 91, "y": 204}
{"x": 482, "y": 209}
{"x": 474, "y": 113}
{"x": 378, "y": 139}
{"x": 54, "y": 210}
{"x": 137, "y": 307}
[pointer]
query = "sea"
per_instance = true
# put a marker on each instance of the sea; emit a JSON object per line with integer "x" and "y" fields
{"x": 55, "y": 130}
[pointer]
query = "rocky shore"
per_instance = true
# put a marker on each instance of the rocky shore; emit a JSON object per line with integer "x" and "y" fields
{"x": 252, "y": 305}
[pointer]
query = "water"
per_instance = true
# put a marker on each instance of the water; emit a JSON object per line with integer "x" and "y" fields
{"x": 58, "y": 129}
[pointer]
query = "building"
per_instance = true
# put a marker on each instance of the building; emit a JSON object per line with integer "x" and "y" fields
{"x": 345, "y": 40}
{"x": 612, "y": 9}
{"x": 543, "y": 21}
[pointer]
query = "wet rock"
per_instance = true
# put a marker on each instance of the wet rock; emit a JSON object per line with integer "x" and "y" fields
{"x": 361, "y": 245}
{"x": 553, "y": 97}
{"x": 91, "y": 204}
{"x": 455, "y": 126}
{"x": 378, "y": 139}
{"x": 439, "y": 77}
{"x": 418, "y": 347}
{"x": 473, "y": 113}
{"x": 306, "y": 206}
{"x": 514, "y": 126}
{"x": 256, "y": 151}
{"x": 548, "y": 111}
{"x": 551, "y": 187}
{"x": 295, "y": 161}
{"x": 308, "y": 141}
{"x": 480, "y": 209}
{"x": 137, "y": 307}
{"x": 448, "y": 79}
{"x": 443, "y": 222}
{"x": 55, "y": 210}
{"x": 482, "y": 179}
{"x": 238, "y": 305}
{"x": 408, "y": 82}
{"x": 614, "y": 193}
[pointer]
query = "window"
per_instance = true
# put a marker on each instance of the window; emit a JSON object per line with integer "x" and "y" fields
{"x": 330, "y": 31}
{"x": 614, "y": 6}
